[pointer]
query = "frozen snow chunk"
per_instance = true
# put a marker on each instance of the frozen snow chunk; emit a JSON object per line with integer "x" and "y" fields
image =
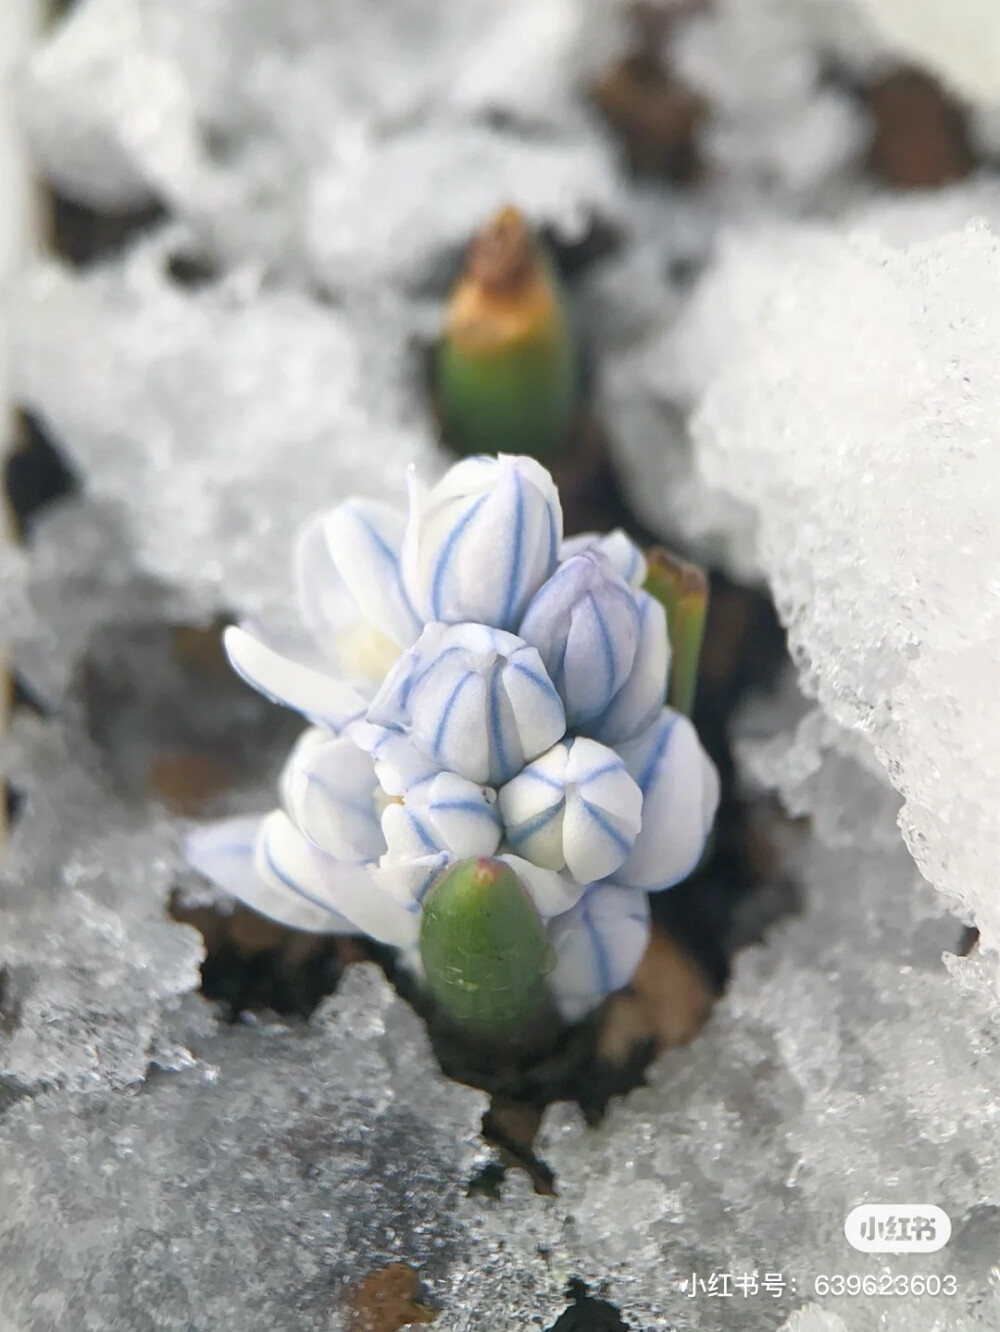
{"x": 400, "y": 205}
{"x": 648, "y": 389}
{"x": 960, "y": 42}
{"x": 812, "y": 1318}
{"x": 251, "y": 1188}
{"x": 759, "y": 64}
{"x": 91, "y": 964}
{"x": 228, "y": 111}
{"x": 218, "y": 418}
{"x": 110, "y": 114}
{"x": 78, "y": 583}
{"x": 861, "y": 424}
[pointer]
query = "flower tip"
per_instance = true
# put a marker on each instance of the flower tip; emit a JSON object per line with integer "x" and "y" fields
{"x": 503, "y": 253}
{"x": 506, "y": 375}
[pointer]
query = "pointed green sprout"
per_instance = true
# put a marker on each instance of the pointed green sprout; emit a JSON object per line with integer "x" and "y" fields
{"x": 682, "y": 589}
{"x": 484, "y": 948}
{"x": 507, "y": 375}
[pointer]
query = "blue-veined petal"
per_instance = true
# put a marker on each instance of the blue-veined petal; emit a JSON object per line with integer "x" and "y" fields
{"x": 323, "y": 699}
{"x": 414, "y": 856}
{"x": 597, "y": 947}
{"x": 584, "y": 621}
{"x": 224, "y": 852}
{"x": 480, "y": 542}
{"x": 680, "y": 790}
{"x": 622, "y": 553}
{"x": 286, "y": 859}
{"x": 574, "y": 808}
{"x": 329, "y": 789}
{"x": 474, "y": 700}
{"x": 463, "y": 814}
{"x": 639, "y": 700}
{"x": 364, "y": 539}
{"x": 401, "y": 769}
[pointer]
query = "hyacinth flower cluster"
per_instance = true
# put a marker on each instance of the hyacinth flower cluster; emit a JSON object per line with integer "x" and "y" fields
{"x": 490, "y": 781}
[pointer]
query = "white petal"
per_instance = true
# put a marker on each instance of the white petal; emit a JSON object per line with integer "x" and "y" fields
{"x": 414, "y": 857}
{"x": 575, "y": 808}
{"x": 408, "y": 882}
{"x": 625, "y": 557}
{"x": 603, "y": 811}
{"x": 639, "y": 700}
{"x": 481, "y": 542}
{"x": 464, "y": 815}
{"x": 285, "y": 859}
{"x": 328, "y": 789}
{"x": 597, "y": 947}
{"x": 364, "y": 539}
{"x": 323, "y": 699}
{"x": 325, "y": 605}
{"x": 538, "y": 713}
{"x": 450, "y": 721}
{"x": 408, "y": 833}
{"x": 400, "y": 767}
{"x": 224, "y": 853}
{"x": 551, "y": 893}
{"x": 532, "y": 806}
{"x": 680, "y": 789}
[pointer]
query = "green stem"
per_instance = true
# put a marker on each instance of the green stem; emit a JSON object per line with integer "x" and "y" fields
{"x": 682, "y": 590}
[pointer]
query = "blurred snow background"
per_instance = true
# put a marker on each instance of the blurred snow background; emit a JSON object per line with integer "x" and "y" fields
{"x": 796, "y": 365}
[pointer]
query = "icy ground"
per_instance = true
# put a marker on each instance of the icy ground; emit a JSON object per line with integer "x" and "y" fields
{"x": 797, "y": 369}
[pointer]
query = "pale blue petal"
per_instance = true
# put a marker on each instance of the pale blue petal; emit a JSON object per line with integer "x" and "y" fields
{"x": 585, "y": 624}
{"x": 638, "y": 702}
{"x": 224, "y": 852}
{"x": 323, "y": 699}
{"x": 622, "y": 553}
{"x": 680, "y": 789}
{"x": 597, "y": 947}
{"x": 480, "y": 543}
{"x": 285, "y": 859}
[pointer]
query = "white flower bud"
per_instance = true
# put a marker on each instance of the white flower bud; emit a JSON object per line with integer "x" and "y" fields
{"x": 680, "y": 792}
{"x": 475, "y": 700}
{"x": 482, "y": 541}
{"x": 575, "y": 808}
{"x": 585, "y": 624}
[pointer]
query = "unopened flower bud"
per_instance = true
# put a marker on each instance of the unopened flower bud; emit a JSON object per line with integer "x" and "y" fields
{"x": 482, "y": 541}
{"x": 483, "y": 947}
{"x": 475, "y": 700}
{"x": 575, "y": 808}
{"x": 507, "y": 365}
{"x": 585, "y": 624}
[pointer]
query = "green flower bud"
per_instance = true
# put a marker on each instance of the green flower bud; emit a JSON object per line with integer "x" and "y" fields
{"x": 484, "y": 948}
{"x": 507, "y": 379}
{"x": 682, "y": 590}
